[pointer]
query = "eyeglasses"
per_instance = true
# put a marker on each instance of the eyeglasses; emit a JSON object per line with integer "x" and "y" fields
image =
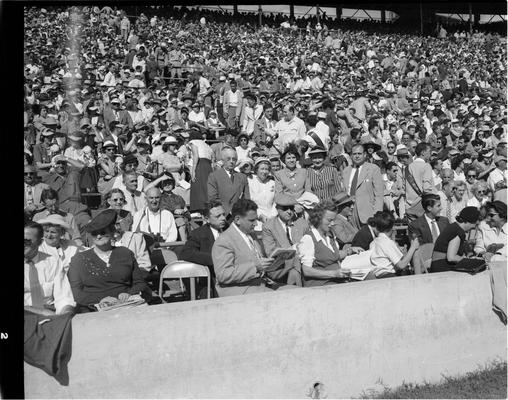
{"x": 391, "y": 147}
{"x": 471, "y": 176}
{"x": 120, "y": 200}
{"x": 481, "y": 191}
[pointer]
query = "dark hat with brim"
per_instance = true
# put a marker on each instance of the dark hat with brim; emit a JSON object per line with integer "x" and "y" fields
{"x": 284, "y": 200}
{"x": 342, "y": 198}
{"x": 102, "y": 221}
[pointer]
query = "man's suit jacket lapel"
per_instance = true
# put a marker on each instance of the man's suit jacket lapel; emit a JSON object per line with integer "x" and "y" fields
{"x": 347, "y": 177}
{"x": 362, "y": 175}
{"x": 426, "y": 230}
{"x": 280, "y": 233}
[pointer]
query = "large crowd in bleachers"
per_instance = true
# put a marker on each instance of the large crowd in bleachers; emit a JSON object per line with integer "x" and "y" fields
{"x": 299, "y": 153}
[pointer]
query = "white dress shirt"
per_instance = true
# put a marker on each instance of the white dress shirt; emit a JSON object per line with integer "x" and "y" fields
{"x": 385, "y": 255}
{"x": 64, "y": 253}
{"x": 134, "y": 203}
{"x": 429, "y": 222}
{"x": 215, "y": 232}
{"x": 161, "y": 222}
{"x": 353, "y": 171}
{"x": 52, "y": 283}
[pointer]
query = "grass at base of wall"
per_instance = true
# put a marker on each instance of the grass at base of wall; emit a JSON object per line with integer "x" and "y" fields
{"x": 485, "y": 383}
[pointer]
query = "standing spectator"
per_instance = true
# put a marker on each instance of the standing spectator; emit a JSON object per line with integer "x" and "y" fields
{"x": 418, "y": 177}
{"x": 363, "y": 181}
{"x": 324, "y": 180}
{"x": 226, "y": 185}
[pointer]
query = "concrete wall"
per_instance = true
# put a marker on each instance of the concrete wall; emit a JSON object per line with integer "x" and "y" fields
{"x": 277, "y": 345}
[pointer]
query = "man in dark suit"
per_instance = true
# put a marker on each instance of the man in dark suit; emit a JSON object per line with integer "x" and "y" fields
{"x": 198, "y": 248}
{"x": 285, "y": 231}
{"x": 430, "y": 225}
{"x": 366, "y": 234}
{"x": 226, "y": 185}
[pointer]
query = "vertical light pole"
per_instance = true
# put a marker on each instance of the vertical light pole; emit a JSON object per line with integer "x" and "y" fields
{"x": 317, "y": 13}
{"x": 260, "y": 11}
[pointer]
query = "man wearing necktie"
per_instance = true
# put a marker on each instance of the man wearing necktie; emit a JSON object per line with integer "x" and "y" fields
{"x": 47, "y": 289}
{"x": 239, "y": 259}
{"x": 430, "y": 225}
{"x": 285, "y": 231}
{"x": 363, "y": 182}
{"x": 226, "y": 185}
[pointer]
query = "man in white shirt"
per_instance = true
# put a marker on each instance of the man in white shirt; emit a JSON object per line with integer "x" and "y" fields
{"x": 46, "y": 284}
{"x": 251, "y": 114}
{"x": 134, "y": 199}
{"x": 153, "y": 220}
{"x": 289, "y": 129}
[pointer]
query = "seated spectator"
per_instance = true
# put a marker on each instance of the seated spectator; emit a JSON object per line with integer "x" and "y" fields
{"x": 459, "y": 199}
{"x": 47, "y": 289}
{"x": 33, "y": 191}
{"x": 238, "y": 258}
{"x": 449, "y": 248}
{"x": 173, "y": 202}
{"x": 492, "y": 232}
{"x": 291, "y": 179}
{"x": 198, "y": 248}
{"x": 49, "y": 198}
{"x": 366, "y": 234}
{"x": 343, "y": 229}
{"x": 428, "y": 227}
{"x": 65, "y": 181}
{"x": 104, "y": 273}
{"x": 114, "y": 199}
{"x": 285, "y": 231}
{"x": 55, "y": 227}
{"x": 135, "y": 200}
{"x": 480, "y": 194}
{"x": 319, "y": 251}
{"x": 154, "y": 221}
{"x": 387, "y": 259}
{"x": 134, "y": 241}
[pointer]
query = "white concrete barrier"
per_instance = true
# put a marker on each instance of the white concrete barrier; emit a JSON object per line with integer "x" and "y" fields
{"x": 349, "y": 337}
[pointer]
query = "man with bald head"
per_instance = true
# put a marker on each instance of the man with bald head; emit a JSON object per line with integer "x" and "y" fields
{"x": 154, "y": 221}
{"x": 225, "y": 184}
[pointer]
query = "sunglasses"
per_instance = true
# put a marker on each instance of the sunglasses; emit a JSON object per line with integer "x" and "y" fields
{"x": 391, "y": 147}
{"x": 287, "y": 208}
{"x": 481, "y": 192}
{"x": 471, "y": 176}
{"x": 101, "y": 232}
{"x": 109, "y": 149}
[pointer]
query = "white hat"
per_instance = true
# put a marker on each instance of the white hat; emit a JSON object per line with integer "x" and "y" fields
{"x": 171, "y": 139}
{"x": 308, "y": 200}
{"x": 55, "y": 219}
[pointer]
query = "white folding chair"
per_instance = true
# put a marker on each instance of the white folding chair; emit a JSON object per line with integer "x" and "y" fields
{"x": 185, "y": 269}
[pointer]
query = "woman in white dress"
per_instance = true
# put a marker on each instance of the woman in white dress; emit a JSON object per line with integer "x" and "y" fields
{"x": 262, "y": 191}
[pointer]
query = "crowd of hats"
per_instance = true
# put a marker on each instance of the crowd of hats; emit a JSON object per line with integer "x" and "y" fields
{"x": 56, "y": 71}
